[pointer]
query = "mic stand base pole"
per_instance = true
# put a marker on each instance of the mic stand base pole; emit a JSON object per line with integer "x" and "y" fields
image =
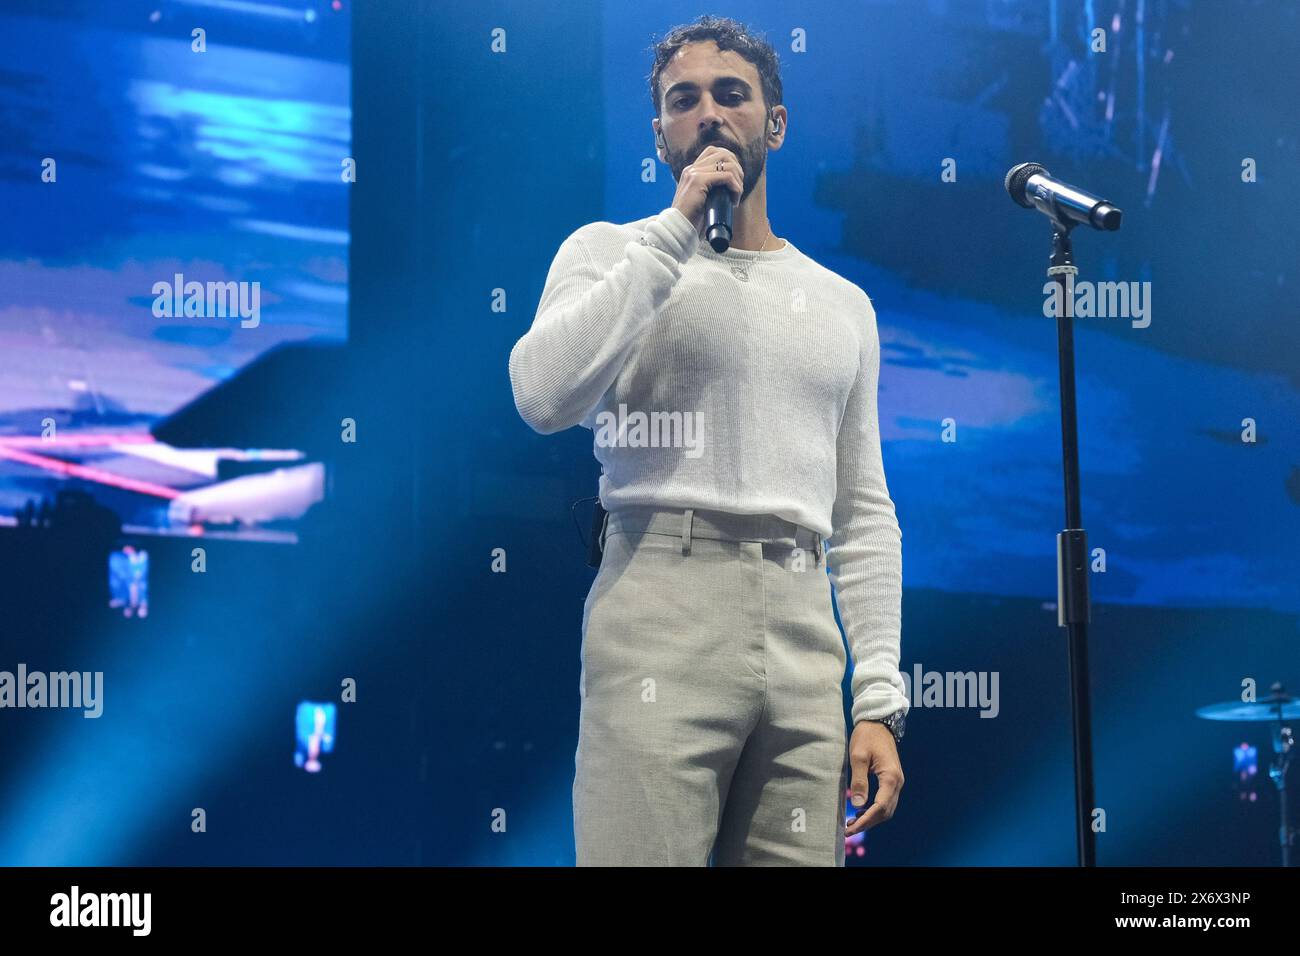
{"x": 1283, "y": 740}
{"x": 1073, "y": 608}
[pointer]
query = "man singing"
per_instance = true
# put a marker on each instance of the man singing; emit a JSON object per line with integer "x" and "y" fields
{"x": 712, "y": 721}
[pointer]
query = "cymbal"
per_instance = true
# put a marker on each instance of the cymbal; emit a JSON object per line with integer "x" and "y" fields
{"x": 1273, "y": 707}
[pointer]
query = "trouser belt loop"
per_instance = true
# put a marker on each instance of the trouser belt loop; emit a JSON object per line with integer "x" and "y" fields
{"x": 687, "y": 518}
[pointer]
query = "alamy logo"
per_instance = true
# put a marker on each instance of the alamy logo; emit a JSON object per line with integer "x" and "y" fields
{"x": 655, "y": 430}
{"x": 103, "y": 909}
{"x": 56, "y": 689}
{"x": 213, "y": 300}
{"x": 953, "y": 689}
{"x": 1102, "y": 300}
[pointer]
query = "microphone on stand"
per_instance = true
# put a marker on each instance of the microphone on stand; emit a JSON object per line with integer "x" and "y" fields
{"x": 717, "y": 218}
{"x": 1033, "y": 187}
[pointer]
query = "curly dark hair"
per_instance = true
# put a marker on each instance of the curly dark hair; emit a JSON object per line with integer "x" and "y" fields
{"x": 728, "y": 35}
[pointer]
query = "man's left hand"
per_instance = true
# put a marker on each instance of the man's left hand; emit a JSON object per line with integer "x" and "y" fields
{"x": 872, "y": 751}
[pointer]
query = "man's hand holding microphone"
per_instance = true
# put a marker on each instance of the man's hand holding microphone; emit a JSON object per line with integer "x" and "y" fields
{"x": 702, "y": 175}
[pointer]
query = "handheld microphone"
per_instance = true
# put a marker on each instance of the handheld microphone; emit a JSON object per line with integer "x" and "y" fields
{"x": 1033, "y": 187}
{"x": 717, "y": 218}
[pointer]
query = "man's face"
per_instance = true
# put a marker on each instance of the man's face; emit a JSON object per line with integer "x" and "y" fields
{"x": 713, "y": 97}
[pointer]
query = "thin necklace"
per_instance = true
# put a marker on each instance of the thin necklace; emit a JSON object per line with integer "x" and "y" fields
{"x": 740, "y": 272}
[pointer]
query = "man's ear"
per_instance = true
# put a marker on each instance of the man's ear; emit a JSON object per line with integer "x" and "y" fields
{"x": 776, "y": 127}
{"x": 660, "y": 145}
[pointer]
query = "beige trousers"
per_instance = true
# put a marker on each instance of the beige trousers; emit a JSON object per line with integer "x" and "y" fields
{"x": 712, "y": 724}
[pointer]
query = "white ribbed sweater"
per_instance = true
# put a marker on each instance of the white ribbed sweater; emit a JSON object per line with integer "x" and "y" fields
{"x": 780, "y": 373}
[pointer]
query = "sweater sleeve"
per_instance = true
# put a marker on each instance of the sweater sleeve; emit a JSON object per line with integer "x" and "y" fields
{"x": 864, "y": 556}
{"x": 587, "y": 321}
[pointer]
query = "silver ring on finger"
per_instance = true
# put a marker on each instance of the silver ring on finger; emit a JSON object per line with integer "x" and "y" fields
{"x": 721, "y": 163}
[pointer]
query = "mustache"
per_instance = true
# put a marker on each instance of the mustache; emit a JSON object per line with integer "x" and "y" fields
{"x": 718, "y": 141}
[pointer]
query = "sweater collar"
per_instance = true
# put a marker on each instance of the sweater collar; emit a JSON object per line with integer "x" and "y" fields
{"x": 742, "y": 256}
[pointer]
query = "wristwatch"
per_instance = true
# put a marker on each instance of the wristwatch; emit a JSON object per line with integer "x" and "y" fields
{"x": 896, "y": 722}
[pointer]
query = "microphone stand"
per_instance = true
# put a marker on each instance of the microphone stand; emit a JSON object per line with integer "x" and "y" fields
{"x": 1072, "y": 605}
{"x": 1283, "y": 740}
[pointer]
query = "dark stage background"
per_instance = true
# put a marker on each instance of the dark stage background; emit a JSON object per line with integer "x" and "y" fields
{"x": 471, "y": 167}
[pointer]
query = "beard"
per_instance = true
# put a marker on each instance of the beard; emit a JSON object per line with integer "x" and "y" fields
{"x": 753, "y": 158}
